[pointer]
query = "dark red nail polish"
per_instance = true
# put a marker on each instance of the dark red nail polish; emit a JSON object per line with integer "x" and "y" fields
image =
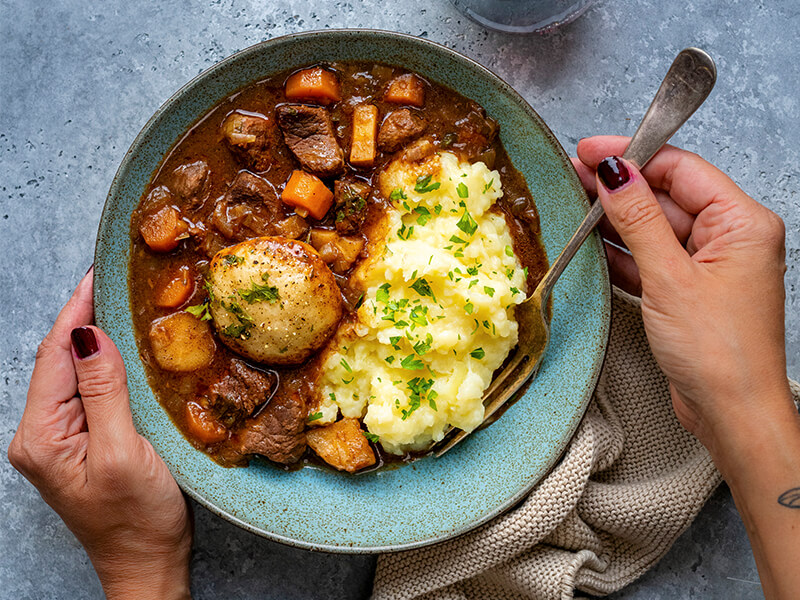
{"x": 84, "y": 341}
{"x": 613, "y": 172}
{"x": 91, "y": 266}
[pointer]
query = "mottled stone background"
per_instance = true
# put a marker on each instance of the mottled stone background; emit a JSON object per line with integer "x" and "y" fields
{"x": 79, "y": 78}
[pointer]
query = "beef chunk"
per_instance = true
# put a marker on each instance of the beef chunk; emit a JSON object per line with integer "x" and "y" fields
{"x": 249, "y": 139}
{"x": 350, "y": 199}
{"x": 277, "y": 432}
{"x": 474, "y": 133}
{"x": 190, "y": 182}
{"x": 398, "y": 128}
{"x": 247, "y": 187}
{"x": 239, "y": 392}
{"x": 249, "y": 202}
{"x": 308, "y": 131}
{"x": 419, "y": 151}
{"x": 239, "y": 222}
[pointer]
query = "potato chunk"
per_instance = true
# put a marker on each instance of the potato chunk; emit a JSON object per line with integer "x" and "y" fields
{"x": 342, "y": 445}
{"x": 182, "y": 342}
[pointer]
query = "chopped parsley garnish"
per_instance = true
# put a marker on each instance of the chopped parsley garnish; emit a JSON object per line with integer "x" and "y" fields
{"x": 420, "y": 389}
{"x": 232, "y": 259}
{"x": 394, "y": 340}
{"x": 389, "y": 359}
{"x": 242, "y": 331}
{"x": 424, "y": 215}
{"x": 417, "y": 315}
{"x": 371, "y": 437}
{"x": 488, "y": 186}
{"x": 469, "y": 307}
{"x": 398, "y": 194}
{"x": 423, "y": 288}
{"x": 509, "y": 251}
{"x": 466, "y": 223}
{"x": 421, "y": 347}
{"x": 405, "y": 232}
{"x": 348, "y": 381}
{"x": 237, "y": 311}
{"x": 201, "y": 311}
{"x": 424, "y": 185}
{"x": 457, "y": 240}
{"x": 514, "y": 291}
{"x": 382, "y": 295}
{"x": 462, "y": 190}
{"x": 489, "y": 291}
{"x": 346, "y": 366}
{"x": 314, "y": 416}
{"x": 472, "y": 271}
{"x": 412, "y": 362}
{"x": 260, "y": 293}
{"x": 332, "y": 396}
{"x": 477, "y": 353}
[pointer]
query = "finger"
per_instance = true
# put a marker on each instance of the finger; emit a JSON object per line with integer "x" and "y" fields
{"x": 623, "y": 270}
{"x": 103, "y": 386}
{"x": 607, "y": 232}
{"x": 586, "y": 176}
{"x": 691, "y": 182}
{"x": 634, "y": 212}
{"x": 680, "y": 219}
{"x": 53, "y": 380}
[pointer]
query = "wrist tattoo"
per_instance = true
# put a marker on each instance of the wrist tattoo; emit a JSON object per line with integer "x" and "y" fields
{"x": 790, "y": 498}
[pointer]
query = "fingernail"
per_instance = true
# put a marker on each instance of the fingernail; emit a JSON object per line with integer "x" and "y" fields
{"x": 84, "y": 342}
{"x": 91, "y": 266}
{"x": 613, "y": 173}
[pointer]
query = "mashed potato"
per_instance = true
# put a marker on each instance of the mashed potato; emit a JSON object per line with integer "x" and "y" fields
{"x": 438, "y": 312}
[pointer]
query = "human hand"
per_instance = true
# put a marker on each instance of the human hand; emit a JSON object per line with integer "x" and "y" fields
{"x": 708, "y": 261}
{"x": 77, "y": 444}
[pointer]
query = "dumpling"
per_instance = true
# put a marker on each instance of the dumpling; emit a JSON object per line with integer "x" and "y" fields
{"x": 273, "y": 299}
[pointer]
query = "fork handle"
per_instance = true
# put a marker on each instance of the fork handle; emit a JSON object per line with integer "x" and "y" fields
{"x": 687, "y": 84}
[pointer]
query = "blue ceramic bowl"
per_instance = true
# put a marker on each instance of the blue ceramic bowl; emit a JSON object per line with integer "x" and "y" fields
{"x": 431, "y": 499}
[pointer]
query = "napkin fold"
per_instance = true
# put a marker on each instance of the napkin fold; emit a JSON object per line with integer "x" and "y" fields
{"x": 630, "y": 482}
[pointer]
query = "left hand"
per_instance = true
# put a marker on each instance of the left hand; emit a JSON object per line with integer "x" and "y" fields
{"x": 77, "y": 444}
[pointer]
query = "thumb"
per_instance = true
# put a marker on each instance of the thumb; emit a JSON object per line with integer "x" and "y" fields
{"x": 102, "y": 385}
{"x": 637, "y": 217}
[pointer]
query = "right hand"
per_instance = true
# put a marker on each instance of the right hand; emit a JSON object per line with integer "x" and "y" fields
{"x": 709, "y": 263}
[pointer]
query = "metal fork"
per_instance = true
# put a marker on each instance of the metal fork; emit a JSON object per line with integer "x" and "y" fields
{"x": 687, "y": 84}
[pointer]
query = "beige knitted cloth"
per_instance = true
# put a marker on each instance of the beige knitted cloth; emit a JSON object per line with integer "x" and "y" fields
{"x": 630, "y": 482}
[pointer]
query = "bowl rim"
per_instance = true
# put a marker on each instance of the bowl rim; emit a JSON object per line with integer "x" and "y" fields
{"x": 598, "y": 363}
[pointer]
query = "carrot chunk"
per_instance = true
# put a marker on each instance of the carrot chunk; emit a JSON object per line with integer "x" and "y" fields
{"x": 365, "y": 131}
{"x": 175, "y": 288}
{"x": 314, "y": 84}
{"x": 406, "y": 89}
{"x": 163, "y": 230}
{"x": 202, "y": 425}
{"x": 307, "y": 194}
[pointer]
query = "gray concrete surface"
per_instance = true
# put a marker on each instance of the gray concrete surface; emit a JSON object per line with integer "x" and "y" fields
{"x": 78, "y": 79}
